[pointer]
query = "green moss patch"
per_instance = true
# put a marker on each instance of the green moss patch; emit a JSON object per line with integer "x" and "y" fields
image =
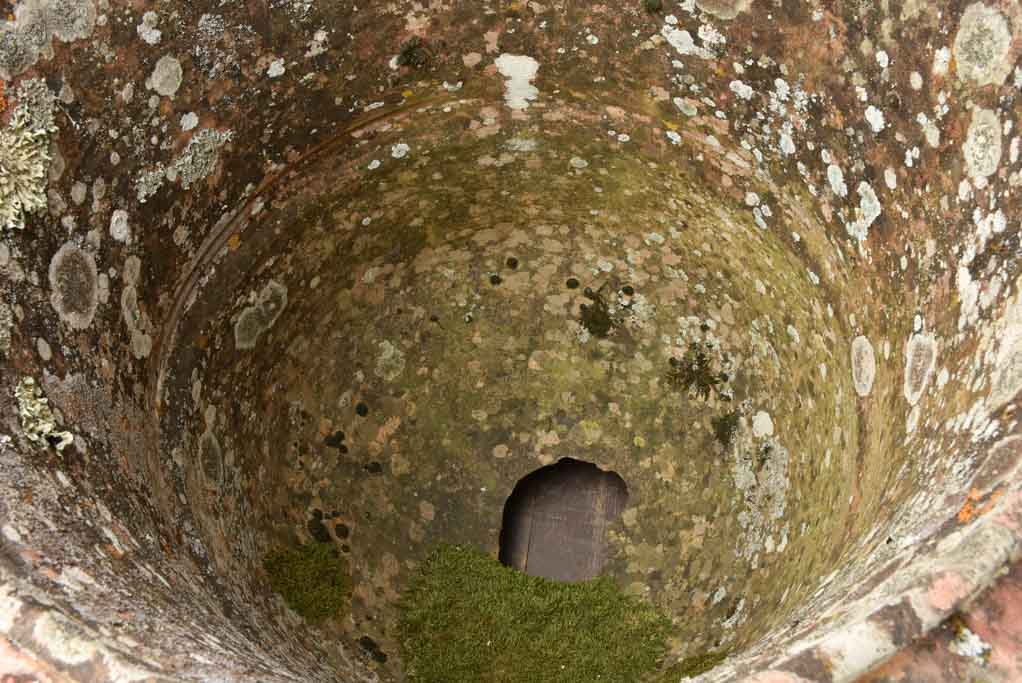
{"x": 312, "y": 579}
{"x": 466, "y": 618}
{"x": 691, "y": 667}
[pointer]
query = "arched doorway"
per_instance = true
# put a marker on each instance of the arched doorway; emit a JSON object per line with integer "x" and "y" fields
{"x": 556, "y": 518}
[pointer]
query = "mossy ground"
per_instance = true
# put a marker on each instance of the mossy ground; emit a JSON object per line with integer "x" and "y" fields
{"x": 467, "y": 618}
{"x": 312, "y": 579}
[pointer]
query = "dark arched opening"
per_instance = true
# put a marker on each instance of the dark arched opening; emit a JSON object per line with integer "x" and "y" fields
{"x": 556, "y": 518}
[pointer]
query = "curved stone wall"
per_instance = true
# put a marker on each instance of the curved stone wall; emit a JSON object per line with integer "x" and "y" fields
{"x": 304, "y": 271}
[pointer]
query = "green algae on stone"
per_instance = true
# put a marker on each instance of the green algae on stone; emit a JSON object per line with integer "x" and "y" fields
{"x": 467, "y": 618}
{"x": 312, "y": 579}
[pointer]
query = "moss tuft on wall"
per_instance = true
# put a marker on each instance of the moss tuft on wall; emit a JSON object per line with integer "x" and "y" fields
{"x": 312, "y": 579}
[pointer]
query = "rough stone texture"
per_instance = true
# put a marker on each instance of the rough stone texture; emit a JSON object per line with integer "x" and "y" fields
{"x": 468, "y": 290}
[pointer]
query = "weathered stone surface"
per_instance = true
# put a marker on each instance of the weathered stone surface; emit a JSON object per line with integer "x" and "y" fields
{"x": 274, "y": 262}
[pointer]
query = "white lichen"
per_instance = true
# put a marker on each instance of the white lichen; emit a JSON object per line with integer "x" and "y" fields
{"x": 863, "y": 366}
{"x": 968, "y": 644}
{"x": 147, "y": 30}
{"x": 120, "y": 230}
{"x": 868, "y": 211}
{"x": 38, "y": 102}
{"x": 837, "y": 180}
{"x": 787, "y": 144}
{"x": 24, "y": 165}
{"x": 683, "y": 42}
{"x": 36, "y": 23}
{"x": 195, "y": 163}
{"x": 261, "y": 316}
{"x": 890, "y": 178}
{"x": 762, "y": 424}
{"x": 982, "y": 148}
{"x": 166, "y": 77}
{"x": 391, "y": 361}
{"x": 759, "y": 470}
{"x": 941, "y": 60}
{"x": 519, "y": 72}
{"x": 983, "y": 45}
{"x": 37, "y": 420}
{"x": 1006, "y": 379}
{"x": 140, "y": 326}
{"x": 920, "y": 358}
{"x": 6, "y": 326}
{"x": 875, "y": 119}
{"x": 723, "y": 9}
{"x": 930, "y": 130}
{"x": 741, "y": 89}
{"x": 275, "y": 69}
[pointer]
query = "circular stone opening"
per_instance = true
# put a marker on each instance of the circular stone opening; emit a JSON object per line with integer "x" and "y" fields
{"x": 555, "y": 520}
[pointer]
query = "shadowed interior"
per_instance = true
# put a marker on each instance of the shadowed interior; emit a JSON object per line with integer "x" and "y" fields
{"x": 555, "y": 520}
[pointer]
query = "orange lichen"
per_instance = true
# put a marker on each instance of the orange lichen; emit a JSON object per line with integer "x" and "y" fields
{"x": 973, "y": 508}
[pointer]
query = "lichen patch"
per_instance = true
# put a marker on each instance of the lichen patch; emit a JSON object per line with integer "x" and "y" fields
{"x": 519, "y": 72}
{"x": 36, "y": 23}
{"x": 139, "y": 325}
{"x": 724, "y": 9}
{"x": 6, "y": 325}
{"x": 982, "y": 46}
{"x": 982, "y": 148}
{"x": 868, "y": 211}
{"x": 37, "y": 420}
{"x": 920, "y": 357}
{"x": 119, "y": 228}
{"x": 166, "y": 77}
{"x": 24, "y": 168}
{"x": 74, "y": 285}
{"x": 196, "y": 162}
{"x": 1006, "y": 379}
{"x": 863, "y": 366}
{"x": 390, "y": 362}
{"x": 762, "y": 424}
{"x": 256, "y": 319}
